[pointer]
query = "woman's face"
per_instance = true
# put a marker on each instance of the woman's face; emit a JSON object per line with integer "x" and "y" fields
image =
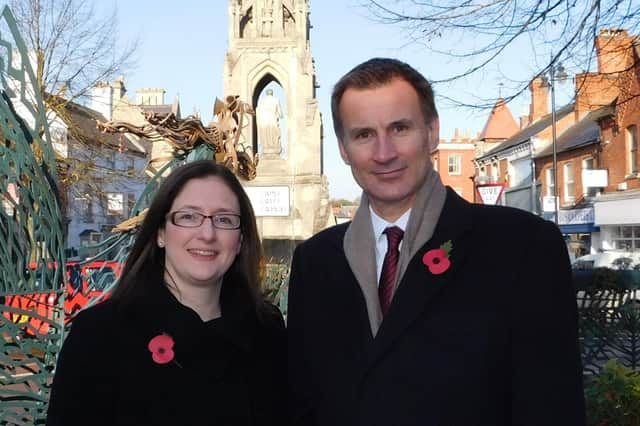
{"x": 200, "y": 255}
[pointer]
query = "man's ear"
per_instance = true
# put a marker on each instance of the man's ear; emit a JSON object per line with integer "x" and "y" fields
{"x": 343, "y": 152}
{"x": 434, "y": 134}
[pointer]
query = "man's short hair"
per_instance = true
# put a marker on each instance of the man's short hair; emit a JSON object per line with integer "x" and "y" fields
{"x": 377, "y": 72}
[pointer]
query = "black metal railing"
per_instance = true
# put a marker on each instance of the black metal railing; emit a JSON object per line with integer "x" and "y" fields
{"x": 609, "y": 317}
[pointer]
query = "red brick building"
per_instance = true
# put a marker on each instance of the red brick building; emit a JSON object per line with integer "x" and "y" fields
{"x": 454, "y": 161}
{"x": 597, "y": 158}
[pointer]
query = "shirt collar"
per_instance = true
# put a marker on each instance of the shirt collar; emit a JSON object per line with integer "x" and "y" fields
{"x": 379, "y": 224}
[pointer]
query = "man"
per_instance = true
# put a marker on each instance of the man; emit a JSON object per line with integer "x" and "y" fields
{"x": 474, "y": 320}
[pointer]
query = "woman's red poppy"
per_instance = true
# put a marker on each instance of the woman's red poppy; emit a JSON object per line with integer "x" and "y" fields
{"x": 161, "y": 348}
{"x": 437, "y": 260}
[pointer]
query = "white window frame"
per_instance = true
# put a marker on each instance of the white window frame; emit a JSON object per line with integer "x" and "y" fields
{"x": 549, "y": 181}
{"x": 455, "y": 169}
{"x": 587, "y": 164}
{"x": 631, "y": 137}
{"x": 629, "y": 242}
{"x": 114, "y": 203}
{"x": 569, "y": 182}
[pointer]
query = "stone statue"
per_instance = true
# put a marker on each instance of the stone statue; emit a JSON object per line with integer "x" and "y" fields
{"x": 268, "y": 115}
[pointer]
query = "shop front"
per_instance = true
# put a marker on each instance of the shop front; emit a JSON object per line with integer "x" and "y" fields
{"x": 579, "y": 229}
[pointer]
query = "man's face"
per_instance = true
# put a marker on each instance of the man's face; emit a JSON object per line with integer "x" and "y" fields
{"x": 387, "y": 144}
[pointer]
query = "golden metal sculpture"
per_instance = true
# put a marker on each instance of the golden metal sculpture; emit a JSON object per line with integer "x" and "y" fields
{"x": 180, "y": 136}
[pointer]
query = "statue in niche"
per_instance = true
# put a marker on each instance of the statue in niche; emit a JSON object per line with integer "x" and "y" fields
{"x": 268, "y": 115}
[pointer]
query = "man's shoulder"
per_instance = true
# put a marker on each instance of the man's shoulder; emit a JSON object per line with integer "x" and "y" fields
{"x": 505, "y": 217}
{"x": 504, "y": 225}
{"x": 333, "y": 235}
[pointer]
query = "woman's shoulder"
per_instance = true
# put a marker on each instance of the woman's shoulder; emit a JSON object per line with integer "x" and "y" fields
{"x": 97, "y": 318}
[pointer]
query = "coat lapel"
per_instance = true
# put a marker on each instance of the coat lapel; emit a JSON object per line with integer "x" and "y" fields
{"x": 419, "y": 286}
{"x": 359, "y": 249}
{"x": 359, "y": 245}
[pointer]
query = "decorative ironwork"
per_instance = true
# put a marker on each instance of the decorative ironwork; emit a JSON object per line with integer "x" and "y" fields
{"x": 31, "y": 239}
{"x": 609, "y": 312}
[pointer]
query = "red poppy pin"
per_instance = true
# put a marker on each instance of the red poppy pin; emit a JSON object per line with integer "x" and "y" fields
{"x": 437, "y": 260}
{"x": 161, "y": 348}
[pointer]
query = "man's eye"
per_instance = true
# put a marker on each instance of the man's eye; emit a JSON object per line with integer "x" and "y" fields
{"x": 399, "y": 128}
{"x": 363, "y": 135}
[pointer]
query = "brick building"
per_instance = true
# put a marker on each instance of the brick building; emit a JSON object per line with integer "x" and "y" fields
{"x": 598, "y": 183}
{"x": 454, "y": 161}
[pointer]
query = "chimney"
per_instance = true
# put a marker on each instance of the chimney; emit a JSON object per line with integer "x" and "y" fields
{"x": 539, "y": 107}
{"x": 101, "y": 99}
{"x": 613, "y": 47}
{"x": 118, "y": 89}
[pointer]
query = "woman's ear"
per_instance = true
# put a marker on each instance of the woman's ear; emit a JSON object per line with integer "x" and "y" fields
{"x": 240, "y": 244}
{"x": 160, "y": 238}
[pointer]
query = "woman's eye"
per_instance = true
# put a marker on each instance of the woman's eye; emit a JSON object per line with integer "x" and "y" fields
{"x": 224, "y": 219}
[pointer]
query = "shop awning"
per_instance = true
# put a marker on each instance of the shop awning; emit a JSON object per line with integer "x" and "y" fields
{"x": 581, "y": 228}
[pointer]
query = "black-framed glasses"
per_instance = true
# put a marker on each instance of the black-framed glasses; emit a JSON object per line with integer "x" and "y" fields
{"x": 189, "y": 219}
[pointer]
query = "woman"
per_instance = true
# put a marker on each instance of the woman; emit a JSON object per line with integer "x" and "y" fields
{"x": 186, "y": 338}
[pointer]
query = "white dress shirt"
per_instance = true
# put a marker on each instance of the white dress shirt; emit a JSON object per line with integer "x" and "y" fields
{"x": 379, "y": 225}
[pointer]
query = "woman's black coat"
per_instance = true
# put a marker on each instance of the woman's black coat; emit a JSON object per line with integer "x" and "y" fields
{"x": 228, "y": 371}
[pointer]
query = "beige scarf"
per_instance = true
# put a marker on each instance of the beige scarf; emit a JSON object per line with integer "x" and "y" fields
{"x": 359, "y": 246}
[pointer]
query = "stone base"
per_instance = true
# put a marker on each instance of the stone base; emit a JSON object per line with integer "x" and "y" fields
{"x": 279, "y": 251}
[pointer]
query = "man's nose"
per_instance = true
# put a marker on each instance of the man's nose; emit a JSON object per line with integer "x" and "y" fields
{"x": 385, "y": 149}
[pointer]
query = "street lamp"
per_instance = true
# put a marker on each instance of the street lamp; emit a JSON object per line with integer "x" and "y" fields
{"x": 556, "y": 73}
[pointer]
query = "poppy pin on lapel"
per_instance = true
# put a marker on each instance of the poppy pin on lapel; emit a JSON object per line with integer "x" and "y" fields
{"x": 437, "y": 260}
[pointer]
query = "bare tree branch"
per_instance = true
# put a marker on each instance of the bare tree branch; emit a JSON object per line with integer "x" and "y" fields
{"x": 483, "y": 32}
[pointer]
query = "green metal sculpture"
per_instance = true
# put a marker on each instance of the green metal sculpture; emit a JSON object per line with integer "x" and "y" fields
{"x": 31, "y": 239}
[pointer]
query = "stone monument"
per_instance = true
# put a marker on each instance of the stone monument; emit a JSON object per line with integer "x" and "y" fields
{"x": 269, "y": 44}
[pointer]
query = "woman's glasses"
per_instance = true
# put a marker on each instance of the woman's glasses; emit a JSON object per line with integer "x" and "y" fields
{"x": 188, "y": 219}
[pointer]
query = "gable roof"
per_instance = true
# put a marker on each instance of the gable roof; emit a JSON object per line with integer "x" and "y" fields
{"x": 530, "y": 131}
{"x": 500, "y": 124}
{"x": 584, "y": 132}
{"x": 84, "y": 122}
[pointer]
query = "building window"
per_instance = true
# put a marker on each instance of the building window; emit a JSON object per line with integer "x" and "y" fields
{"x": 115, "y": 204}
{"x": 84, "y": 208}
{"x": 495, "y": 173}
{"x": 455, "y": 164}
{"x": 588, "y": 164}
{"x": 435, "y": 164}
{"x": 627, "y": 237}
{"x": 569, "y": 187}
{"x": 550, "y": 182}
{"x": 632, "y": 150}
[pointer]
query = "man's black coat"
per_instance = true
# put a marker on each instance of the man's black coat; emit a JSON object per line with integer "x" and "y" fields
{"x": 491, "y": 341}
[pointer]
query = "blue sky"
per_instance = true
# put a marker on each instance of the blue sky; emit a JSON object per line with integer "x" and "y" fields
{"x": 183, "y": 46}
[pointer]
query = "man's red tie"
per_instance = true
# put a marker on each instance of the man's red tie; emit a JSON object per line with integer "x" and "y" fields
{"x": 389, "y": 267}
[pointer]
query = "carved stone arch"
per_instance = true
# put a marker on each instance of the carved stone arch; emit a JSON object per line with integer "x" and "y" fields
{"x": 246, "y": 6}
{"x": 245, "y": 21}
{"x": 259, "y": 78}
{"x": 288, "y": 4}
